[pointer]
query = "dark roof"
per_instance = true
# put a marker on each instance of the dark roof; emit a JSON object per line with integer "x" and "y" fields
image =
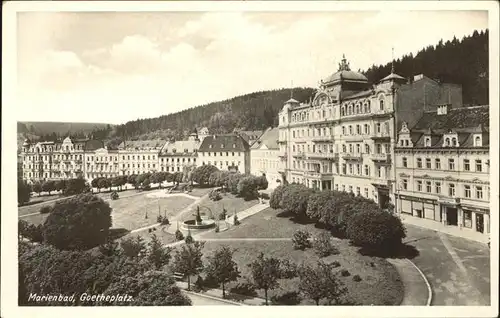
{"x": 456, "y": 118}
{"x": 228, "y": 142}
{"x": 250, "y": 135}
{"x": 93, "y": 144}
{"x": 268, "y": 138}
{"x": 142, "y": 144}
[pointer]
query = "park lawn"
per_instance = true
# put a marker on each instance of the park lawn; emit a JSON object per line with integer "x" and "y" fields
{"x": 129, "y": 211}
{"x": 160, "y": 232}
{"x": 265, "y": 224}
{"x": 30, "y": 209}
{"x": 229, "y": 201}
{"x": 380, "y": 284}
{"x": 199, "y": 192}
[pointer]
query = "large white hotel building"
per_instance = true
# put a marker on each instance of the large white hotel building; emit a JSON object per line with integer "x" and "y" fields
{"x": 344, "y": 138}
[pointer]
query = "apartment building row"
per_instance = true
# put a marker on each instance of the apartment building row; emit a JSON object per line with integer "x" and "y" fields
{"x": 90, "y": 158}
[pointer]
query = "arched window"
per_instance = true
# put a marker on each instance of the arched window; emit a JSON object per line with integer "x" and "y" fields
{"x": 427, "y": 142}
{"x": 367, "y": 148}
{"x": 368, "y": 103}
{"x": 342, "y": 111}
{"x": 350, "y": 130}
{"x": 344, "y": 148}
{"x": 381, "y": 103}
{"x": 447, "y": 141}
{"x": 454, "y": 141}
{"x": 477, "y": 141}
{"x": 343, "y": 130}
{"x": 349, "y": 112}
{"x": 357, "y": 108}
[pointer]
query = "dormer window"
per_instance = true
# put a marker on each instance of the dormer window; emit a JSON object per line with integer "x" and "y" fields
{"x": 234, "y": 145}
{"x": 447, "y": 142}
{"x": 222, "y": 145}
{"x": 210, "y": 146}
{"x": 478, "y": 141}
{"x": 427, "y": 141}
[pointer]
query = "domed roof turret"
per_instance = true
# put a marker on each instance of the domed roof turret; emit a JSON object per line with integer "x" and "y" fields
{"x": 26, "y": 142}
{"x": 344, "y": 73}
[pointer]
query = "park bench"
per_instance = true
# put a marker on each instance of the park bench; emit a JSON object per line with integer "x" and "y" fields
{"x": 178, "y": 276}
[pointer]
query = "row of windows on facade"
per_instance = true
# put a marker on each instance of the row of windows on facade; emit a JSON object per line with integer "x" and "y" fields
{"x": 221, "y": 145}
{"x": 345, "y": 110}
{"x": 54, "y": 157}
{"x": 55, "y": 148}
{"x": 467, "y": 189}
{"x": 343, "y": 187}
{"x": 353, "y": 148}
{"x": 178, "y": 160}
{"x": 447, "y": 142}
{"x": 365, "y": 129}
{"x": 347, "y": 169}
{"x": 272, "y": 164}
{"x": 67, "y": 167}
{"x": 222, "y": 154}
{"x": 467, "y": 164}
{"x": 221, "y": 163}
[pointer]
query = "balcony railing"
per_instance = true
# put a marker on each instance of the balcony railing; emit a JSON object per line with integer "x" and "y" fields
{"x": 322, "y": 138}
{"x": 352, "y": 156}
{"x": 381, "y": 157}
{"x": 317, "y": 174}
{"x": 381, "y": 135}
{"x": 322, "y": 155}
{"x": 380, "y": 181}
{"x": 353, "y": 137}
{"x": 299, "y": 155}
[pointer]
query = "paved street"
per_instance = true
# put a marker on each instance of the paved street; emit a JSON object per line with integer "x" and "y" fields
{"x": 457, "y": 269}
{"x": 204, "y": 301}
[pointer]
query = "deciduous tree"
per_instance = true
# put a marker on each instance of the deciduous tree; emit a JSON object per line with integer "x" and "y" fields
{"x": 78, "y": 223}
{"x": 222, "y": 268}
{"x": 188, "y": 260}
{"x": 265, "y": 273}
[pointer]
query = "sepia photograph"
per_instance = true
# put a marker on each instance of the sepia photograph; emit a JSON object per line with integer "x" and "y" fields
{"x": 281, "y": 155}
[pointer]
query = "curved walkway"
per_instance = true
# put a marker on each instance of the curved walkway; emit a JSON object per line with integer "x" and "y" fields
{"x": 417, "y": 290}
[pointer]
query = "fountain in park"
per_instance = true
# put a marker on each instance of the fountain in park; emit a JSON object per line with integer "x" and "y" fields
{"x": 198, "y": 223}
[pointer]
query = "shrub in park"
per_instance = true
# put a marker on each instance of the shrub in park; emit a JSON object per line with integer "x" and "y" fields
{"x": 165, "y": 221}
{"x": 244, "y": 288}
{"x": 378, "y": 231}
{"x": 217, "y": 228}
{"x": 45, "y": 209}
{"x": 300, "y": 240}
{"x": 356, "y": 278}
{"x": 178, "y": 235}
{"x": 114, "y": 195}
{"x": 335, "y": 264}
{"x": 289, "y": 298}
{"x": 288, "y": 269}
{"x": 78, "y": 223}
{"x": 248, "y": 186}
{"x": 295, "y": 198}
{"x": 215, "y": 195}
{"x": 235, "y": 219}
{"x": 323, "y": 245}
{"x": 276, "y": 197}
{"x": 23, "y": 192}
{"x": 189, "y": 239}
{"x": 345, "y": 273}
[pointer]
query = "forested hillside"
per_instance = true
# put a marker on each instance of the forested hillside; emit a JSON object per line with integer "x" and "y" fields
{"x": 457, "y": 61}
{"x": 255, "y": 111}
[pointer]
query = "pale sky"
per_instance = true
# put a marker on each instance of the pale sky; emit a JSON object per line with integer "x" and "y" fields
{"x": 141, "y": 65}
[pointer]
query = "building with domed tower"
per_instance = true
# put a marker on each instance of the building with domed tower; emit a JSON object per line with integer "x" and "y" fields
{"x": 53, "y": 160}
{"x": 344, "y": 138}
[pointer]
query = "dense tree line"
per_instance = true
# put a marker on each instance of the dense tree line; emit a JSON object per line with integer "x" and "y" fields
{"x": 464, "y": 62}
{"x": 252, "y": 111}
{"x": 64, "y": 186}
